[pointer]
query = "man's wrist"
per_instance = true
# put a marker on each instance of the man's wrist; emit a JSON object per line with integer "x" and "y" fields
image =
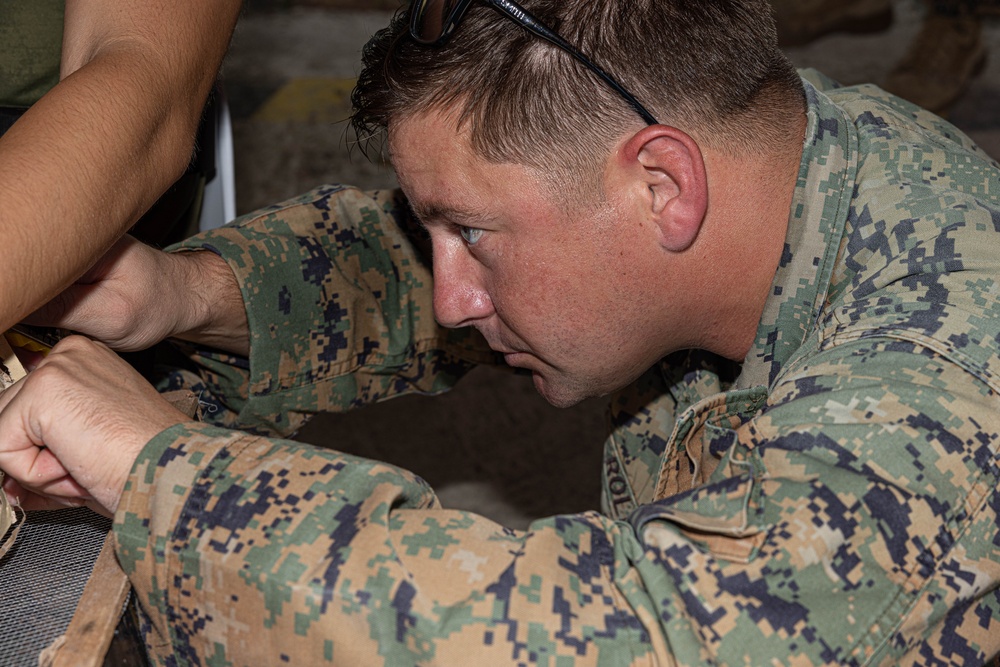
{"x": 143, "y": 435}
{"x": 212, "y": 311}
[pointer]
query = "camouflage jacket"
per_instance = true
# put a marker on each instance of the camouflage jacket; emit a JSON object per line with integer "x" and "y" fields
{"x": 833, "y": 500}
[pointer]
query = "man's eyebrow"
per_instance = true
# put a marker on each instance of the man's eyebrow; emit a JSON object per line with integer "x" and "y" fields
{"x": 433, "y": 212}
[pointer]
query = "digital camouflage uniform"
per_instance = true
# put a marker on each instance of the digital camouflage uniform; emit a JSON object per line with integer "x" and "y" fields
{"x": 837, "y": 505}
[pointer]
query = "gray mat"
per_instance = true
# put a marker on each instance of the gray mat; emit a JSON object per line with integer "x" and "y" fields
{"x": 42, "y": 578}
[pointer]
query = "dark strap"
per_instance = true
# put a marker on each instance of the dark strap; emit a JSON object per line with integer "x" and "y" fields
{"x": 7, "y": 117}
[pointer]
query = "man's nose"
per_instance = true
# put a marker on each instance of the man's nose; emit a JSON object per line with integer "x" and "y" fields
{"x": 459, "y": 296}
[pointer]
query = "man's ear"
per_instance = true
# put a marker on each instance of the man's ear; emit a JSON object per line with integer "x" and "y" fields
{"x": 671, "y": 165}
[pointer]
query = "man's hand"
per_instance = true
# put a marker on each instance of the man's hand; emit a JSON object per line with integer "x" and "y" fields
{"x": 136, "y": 296}
{"x": 71, "y": 430}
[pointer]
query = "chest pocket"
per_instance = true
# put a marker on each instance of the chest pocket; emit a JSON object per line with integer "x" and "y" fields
{"x": 709, "y": 479}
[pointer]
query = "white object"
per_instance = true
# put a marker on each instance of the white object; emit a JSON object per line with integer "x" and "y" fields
{"x": 219, "y": 202}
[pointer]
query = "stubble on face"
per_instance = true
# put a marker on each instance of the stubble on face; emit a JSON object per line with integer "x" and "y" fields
{"x": 567, "y": 283}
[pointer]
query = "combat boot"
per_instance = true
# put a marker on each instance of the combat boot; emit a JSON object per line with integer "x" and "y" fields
{"x": 940, "y": 62}
{"x": 801, "y": 21}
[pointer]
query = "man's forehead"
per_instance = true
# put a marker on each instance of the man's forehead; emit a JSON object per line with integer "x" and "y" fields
{"x": 423, "y": 126}
{"x": 445, "y": 178}
{"x": 429, "y": 150}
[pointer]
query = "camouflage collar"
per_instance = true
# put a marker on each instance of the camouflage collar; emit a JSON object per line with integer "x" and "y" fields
{"x": 815, "y": 226}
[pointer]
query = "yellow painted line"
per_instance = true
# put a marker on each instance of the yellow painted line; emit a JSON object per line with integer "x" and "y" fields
{"x": 309, "y": 100}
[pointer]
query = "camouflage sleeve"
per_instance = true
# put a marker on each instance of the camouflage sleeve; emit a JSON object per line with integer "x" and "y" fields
{"x": 338, "y": 301}
{"x": 850, "y": 522}
{"x": 248, "y": 551}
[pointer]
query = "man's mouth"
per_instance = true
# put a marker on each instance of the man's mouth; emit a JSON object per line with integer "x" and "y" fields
{"x": 518, "y": 359}
{"x": 497, "y": 346}
{"x": 510, "y": 354}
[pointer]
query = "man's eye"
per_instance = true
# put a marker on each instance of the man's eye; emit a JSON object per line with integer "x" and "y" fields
{"x": 471, "y": 234}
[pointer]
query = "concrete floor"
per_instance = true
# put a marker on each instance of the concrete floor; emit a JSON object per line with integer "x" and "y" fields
{"x": 491, "y": 445}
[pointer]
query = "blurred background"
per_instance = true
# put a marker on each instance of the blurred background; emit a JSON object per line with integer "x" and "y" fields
{"x": 493, "y": 445}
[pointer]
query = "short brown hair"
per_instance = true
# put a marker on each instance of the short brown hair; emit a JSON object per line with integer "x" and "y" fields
{"x": 709, "y": 67}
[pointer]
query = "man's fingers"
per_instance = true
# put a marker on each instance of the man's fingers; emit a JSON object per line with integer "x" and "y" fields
{"x": 64, "y": 492}
{"x": 58, "y": 437}
{"x": 7, "y": 395}
{"x": 35, "y": 503}
{"x": 64, "y": 488}
{"x": 24, "y": 457}
{"x": 27, "y": 500}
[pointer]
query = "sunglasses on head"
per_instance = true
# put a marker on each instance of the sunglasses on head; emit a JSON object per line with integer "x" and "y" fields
{"x": 433, "y": 21}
